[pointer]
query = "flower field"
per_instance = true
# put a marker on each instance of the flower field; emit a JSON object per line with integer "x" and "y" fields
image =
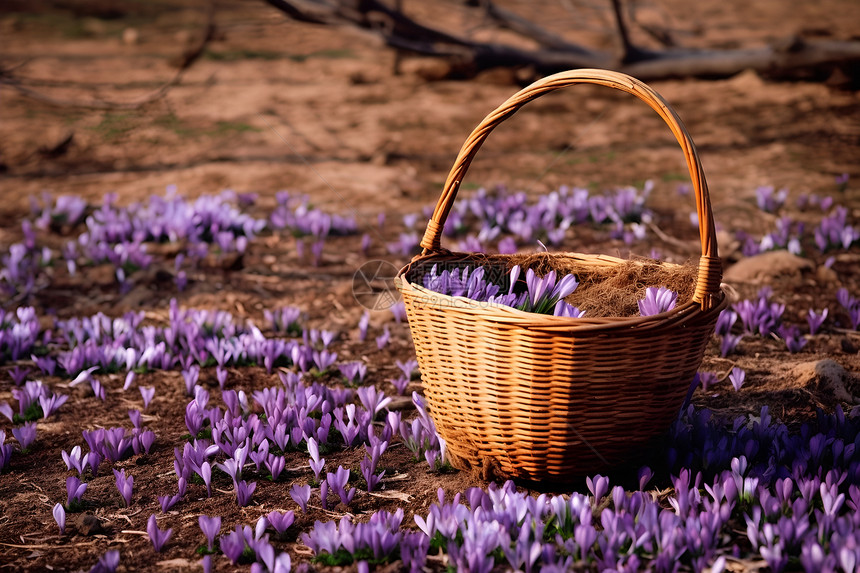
{"x": 283, "y": 441}
{"x": 204, "y": 364}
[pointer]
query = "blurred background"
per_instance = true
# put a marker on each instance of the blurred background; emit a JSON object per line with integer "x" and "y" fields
{"x": 373, "y": 100}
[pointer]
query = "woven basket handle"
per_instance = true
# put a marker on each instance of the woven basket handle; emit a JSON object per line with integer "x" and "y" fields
{"x": 707, "y": 291}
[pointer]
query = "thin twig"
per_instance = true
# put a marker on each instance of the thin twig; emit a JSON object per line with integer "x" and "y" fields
{"x": 47, "y": 545}
{"x": 847, "y": 331}
{"x": 687, "y": 246}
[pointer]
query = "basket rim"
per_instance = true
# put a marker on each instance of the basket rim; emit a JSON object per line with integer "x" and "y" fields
{"x": 509, "y": 315}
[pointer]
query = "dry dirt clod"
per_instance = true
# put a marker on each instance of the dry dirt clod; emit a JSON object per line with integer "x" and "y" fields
{"x": 88, "y": 524}
{"x": 766, "y": 267}
{"x": 827, "y": 377}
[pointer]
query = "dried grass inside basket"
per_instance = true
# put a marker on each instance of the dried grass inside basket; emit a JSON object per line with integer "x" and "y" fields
{"x": 542, "y": 397}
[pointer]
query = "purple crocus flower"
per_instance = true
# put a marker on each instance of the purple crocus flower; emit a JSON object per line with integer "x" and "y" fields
{"x": 770, "y": 200}
{"x": 281, "y": 521}
{"x": 125, "y": 485}
{"x": 562, "y": 308}
{"x": 98, "y": 390}
{"x": 19, "y": 374}
{"x": 368, "y": 469}
{"x": 363, "y": 324}
{"x": 729, "y": 343}
{"x": 372, "y": 399}
{"x": 323, "y": 359}
{"x": 398, "y": 309}
{"x": 210, "y": 527}
{"x": 233, "y": 544}
{"x": 815, "y": 320}
{"x": 25, "y": 435}
{"x": 60, "y": 517}
{"x": 851, "y": 306}
{"x": 129, "y": 380}
{"x": 261, "y": 454}
{"x": 92, "y": 459}
{"x": 354, "y": 372}
{"x": 7, "y": 411}
{"x": 244, "y": 491}
{"x": 51, "y": 404}
{"x": 324, "y": 494}
{"x": 400, "y": 384}
{"x": 301, "y": 494}
{"x": 737, "y": 377}
{"x": 539, "y": 286}
{"x": 657, "y": 301}
{"x": 145, "y": 440}
{"x": 707, "y": 379}
{"x": 190, "y": 376}
{"x": 407, "y": 367}
{"x": 74, "y": 490}
{"x": 147, "y": 392}
{"x": 83, "y": 376}
{"x": 794, "y": 340}
{"x": 315, "y": 462}
{"x": 107, "y": 563}
{"x": 232, "y": 468}
{"x": 205, "y": 474}
{"x": 645, "y": 475}
{"x": 598, "y": 486}
{"x": 337, "y": 481}
{"x": 156, "y": 535}
{"x": 45, "y": 363}
{"x": 168, "y": 501}
{"x": 725, "y": 321}
{"x": 382, "y": 339}
{"x": 115, "y": 446}
{"x": 507, "y": 246}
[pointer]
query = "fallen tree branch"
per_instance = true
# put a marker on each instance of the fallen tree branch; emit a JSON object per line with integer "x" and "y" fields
{"x": 785, "y": 58}
{"x": 794, "y": 57}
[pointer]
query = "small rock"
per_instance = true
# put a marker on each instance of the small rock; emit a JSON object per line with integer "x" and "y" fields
{"x": 428, "y": 69}
{"x": 88, "y": 524}
{"x": 130, "y": 36}
{"x": 225, "y": 261}
{"x": 766, "y": 267}
{"x": 497, "y": 76}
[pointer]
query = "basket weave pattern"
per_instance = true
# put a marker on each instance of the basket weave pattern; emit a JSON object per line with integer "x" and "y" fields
{"x": 541, "y": 397}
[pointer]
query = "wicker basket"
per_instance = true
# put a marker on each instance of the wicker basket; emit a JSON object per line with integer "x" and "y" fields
{"x": 545, "y": 398}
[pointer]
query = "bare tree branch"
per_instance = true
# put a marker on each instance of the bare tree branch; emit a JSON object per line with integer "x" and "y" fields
{"x": 631, "y": 52}
{"x": 531, "y": 30}
{"x": 299, "y": 13}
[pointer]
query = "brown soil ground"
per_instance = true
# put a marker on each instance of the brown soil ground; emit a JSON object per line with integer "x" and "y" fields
{"x": 274, "y": 104}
